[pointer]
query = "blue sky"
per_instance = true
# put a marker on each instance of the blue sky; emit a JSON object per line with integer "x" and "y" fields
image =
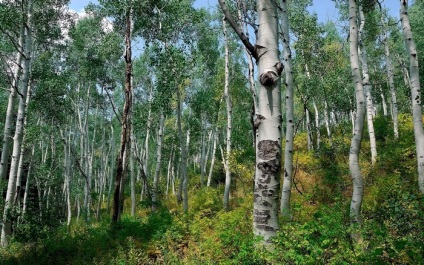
{"x": 325, "y": 9}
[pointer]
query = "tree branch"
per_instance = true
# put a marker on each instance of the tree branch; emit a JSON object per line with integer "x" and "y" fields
{"x": 236, "y": 28}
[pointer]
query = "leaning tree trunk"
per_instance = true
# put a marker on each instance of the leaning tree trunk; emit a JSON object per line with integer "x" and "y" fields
{"x": 7, "y": 134}
{"x": 227, "y": 97}
{"x": 389, "y": 69}
{"x": 355, "y": 170}
{"x": 415, "y": 91}
{"x": 288, "y": 151}
{"x": 367, "y": 88}
{"x": 19, "y": 129}
{"x": 125, "y": 124}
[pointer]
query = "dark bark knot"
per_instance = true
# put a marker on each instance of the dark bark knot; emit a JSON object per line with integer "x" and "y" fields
{"x": 261, "y": 216}
{"x": 269, "y": 167}
{"x": 270, "y": 76}
{"x": 268, "y": 149}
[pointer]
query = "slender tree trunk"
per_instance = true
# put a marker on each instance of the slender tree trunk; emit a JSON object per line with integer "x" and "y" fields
{"x": 227, "y": 97}
{"x": 146, "y": 143}
{"x": 158, "y": 161}
{"x": 24, "y": 203}
{"x": 132, "y": 172}
{"x": 125, "y": 124}
{"x": 288, "y": 151}
{"x": 367, "y": 87}
{"x": 21, "y": 157}
{"x": 327, "y": 123}
{"x": 389, "y": 69}
{"x": 355, "y": 170}
{"x": 169, "y": 172}
{"x": 214, "y": 139}
{"x": 308, "y": 129}
{"x": 415, "y": 91}
{"x": 19, "y": 128}
{"x": 383, "y": 101}
{"x": 182, "y": 192}
{"x": 112, "y": 143}
{"x": 7, "y": 134}
{"x": 317, "y": 125}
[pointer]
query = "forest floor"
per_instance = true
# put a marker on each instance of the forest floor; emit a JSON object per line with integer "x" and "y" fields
{"x": 318, "y": 233}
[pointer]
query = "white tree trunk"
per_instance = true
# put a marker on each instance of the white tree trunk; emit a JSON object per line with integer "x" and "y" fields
{"x": 182, "y": 192}
{"x": 288, "y": 151}
{"x": 308, "y": 129}
{"x": 317, "y": 125}
{"x": 389, "y": 69}
{"x": 158, "y": 161}
{"x": 214, "y": 139}
{"x": 19, "y": 128}
{"x": 7, "y": 134}
{"x": 355, "y": 170}
{"x": 367, "y": 88}
{"x": 24, "y": 203}
{"x": 132, "y": 172}
{"x": 146, "y": 143}
{"x": 327, "y": 123}
{"x": 415, "y": 91}
{"x": 268, "y": 118}
{"x": 383, "y": 101}
{"x": 226, "y": 157}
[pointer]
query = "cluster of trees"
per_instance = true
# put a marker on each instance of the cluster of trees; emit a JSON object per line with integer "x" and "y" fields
{"x": 136, "y": 96}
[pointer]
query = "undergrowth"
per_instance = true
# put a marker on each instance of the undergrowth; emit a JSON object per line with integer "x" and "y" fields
{"x": 318, "y": 233}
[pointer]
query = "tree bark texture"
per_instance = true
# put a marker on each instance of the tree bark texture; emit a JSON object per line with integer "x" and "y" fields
{"x": 125, "y": 124}
{"x": 7, "y": 133}
{"x": 158, "y": 161}
{"x": 355, "y": 170}
{"x": 19, "y": 129}
{"x": 367, "y": 87}
{"x": 288, "y": 151}
{"x": 229, "y": 121}
{"x": 389, "y": 69}
{"x": 415, "y": 91}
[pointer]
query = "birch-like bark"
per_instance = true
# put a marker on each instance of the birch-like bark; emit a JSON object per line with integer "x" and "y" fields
{"x": 309, "y": 129}
{"x": 182, "y": 192}
{"x": 19, "y": 128}
{"x": 227, "y": 97}
{"x": 317, "y": 125}
{"x": 68, "y": 180}
{"x": 367, "y": 87}
{"x": 243, "y": 26}
{"x": 169, "y": 172}
{"x": 24, "y": 203}
{"x": 268, "y": 119}
{"x": 215, "y": 139}
{"x": 415, "y": 91}
{"x": 327, "y": 123}
{"x": 288, "y": 151}
{"x": 146, "y": 142}
{"x": 383, "y": 101}
{"x": 125, "y": 124}
{"x": 7, "y": 133}
{"x": 112, "y": 171}
{"x": 355, "y": 170}
{"x": 21, "y": 157}
{"x": 132, "y": 172}
{"x": 158, "y": 161}
{"x": 389, "y": 70}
